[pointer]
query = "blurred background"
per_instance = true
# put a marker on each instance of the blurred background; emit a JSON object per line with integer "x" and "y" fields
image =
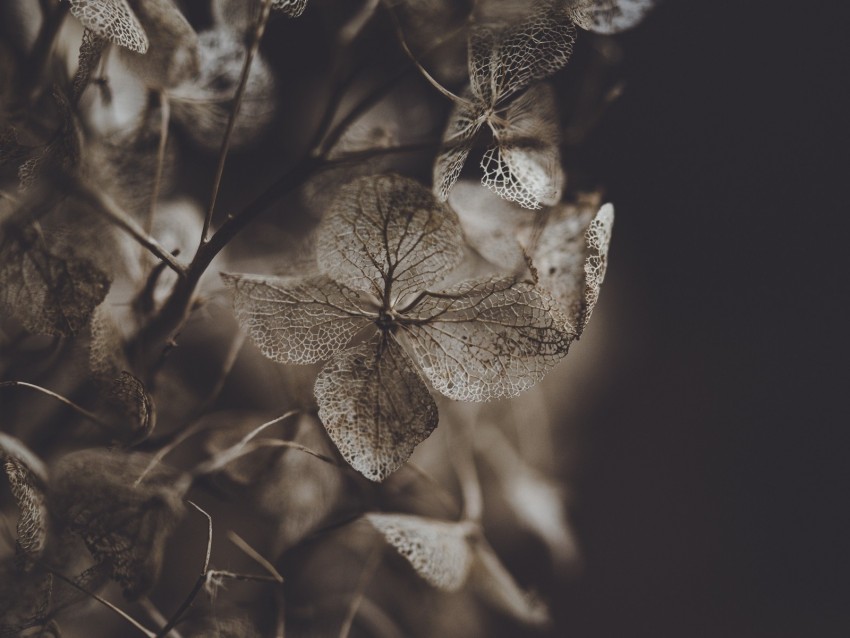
{"x": 712, "y": 483}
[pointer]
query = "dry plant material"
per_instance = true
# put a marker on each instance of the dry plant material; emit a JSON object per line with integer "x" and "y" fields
{"x": 523, "y": 166}
{"x": 124, "y": 525}
{"x": 113, "y": 20}
{"x": 385, "y": 244}
{"x": 49, "y": 293}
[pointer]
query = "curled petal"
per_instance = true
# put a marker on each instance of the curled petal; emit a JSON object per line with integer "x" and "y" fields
{"x": 375, "y": 406}
{"x": 598, "y": 238}
{"x": 293, "y": 320}
{"x": 439, "y": 551}
{"x": 569, "y": 253}
{"x": 388, "y": 235}
{"x": 487, "y": 339}
{"x": 113, "y": 20}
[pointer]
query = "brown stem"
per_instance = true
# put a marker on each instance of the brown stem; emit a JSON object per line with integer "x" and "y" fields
{"x": 259, "y": 28}
{"x": 148, "y": 345}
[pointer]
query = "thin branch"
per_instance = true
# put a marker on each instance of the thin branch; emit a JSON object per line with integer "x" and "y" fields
{"x": 230, "y": 454}
{"x": 259, "y": 28}
{"x": 403, "y": 41}
{"x": 199, "y": 583}
{"x": 107, "y": 206}
{"x": 147, "y": 632}
{"x": 165, "y": 116}
{"x": 239, "y": 449}
{"x": 91, "y": 416}
{"x": 254, "y": 554}
{"x": 148, "y": 344}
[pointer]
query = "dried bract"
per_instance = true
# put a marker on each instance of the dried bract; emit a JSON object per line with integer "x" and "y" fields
{"x": 385, "y": 244}
{"x": 439, "y": 551}
{"x": 570, "y": 255}
{"x": 113, "y": 20}
{"x": 504, "y": 59}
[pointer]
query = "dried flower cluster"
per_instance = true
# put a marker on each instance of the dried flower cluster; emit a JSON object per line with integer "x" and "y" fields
{"x": 404, "y": 302}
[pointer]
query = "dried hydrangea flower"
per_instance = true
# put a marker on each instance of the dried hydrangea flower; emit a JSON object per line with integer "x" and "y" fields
{"x": 505, "y": 59}
{"x": 384, "y": 249}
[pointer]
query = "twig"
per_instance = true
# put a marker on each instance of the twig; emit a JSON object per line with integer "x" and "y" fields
{"x": 231, "y": 454}
{"x": 259, "y": 28}
{"x": 147, "y": 632}
{"x": 165, "y": 116}
{"x": 177, "y": 308}
{"x": 254, "y": 554}
{"x": 431, "y": 80}
{"x": 107, "y": 206}
{"x": 199, "y": 583}
{"x": 91, "y": 416}
{"x": 238, "y": 449}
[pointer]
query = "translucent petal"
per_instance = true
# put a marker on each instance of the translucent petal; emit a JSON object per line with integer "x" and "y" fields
{"x": 610, "y": 16}
{"x": 487, "y": 339}
{"x": 293, "y": 320}
{"x": 375, "y": 406}
{"x": 91, "y": 48}
{"x": 49, "y": 293}
{"x": 388, "y": 235}
{"x": 598, "y": 238}
{"x": 569, "y": 254}
{"x": 506, "y": 60}
{"x": 439, "y": 551}
{"x": 557, "y": 251}
{"x": 525, "y": 165}
{"x": 112, "y": 19}
{"x": 457, "y": 142}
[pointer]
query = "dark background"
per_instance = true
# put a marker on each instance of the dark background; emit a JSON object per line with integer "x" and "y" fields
{"x": 711, "y": 496}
